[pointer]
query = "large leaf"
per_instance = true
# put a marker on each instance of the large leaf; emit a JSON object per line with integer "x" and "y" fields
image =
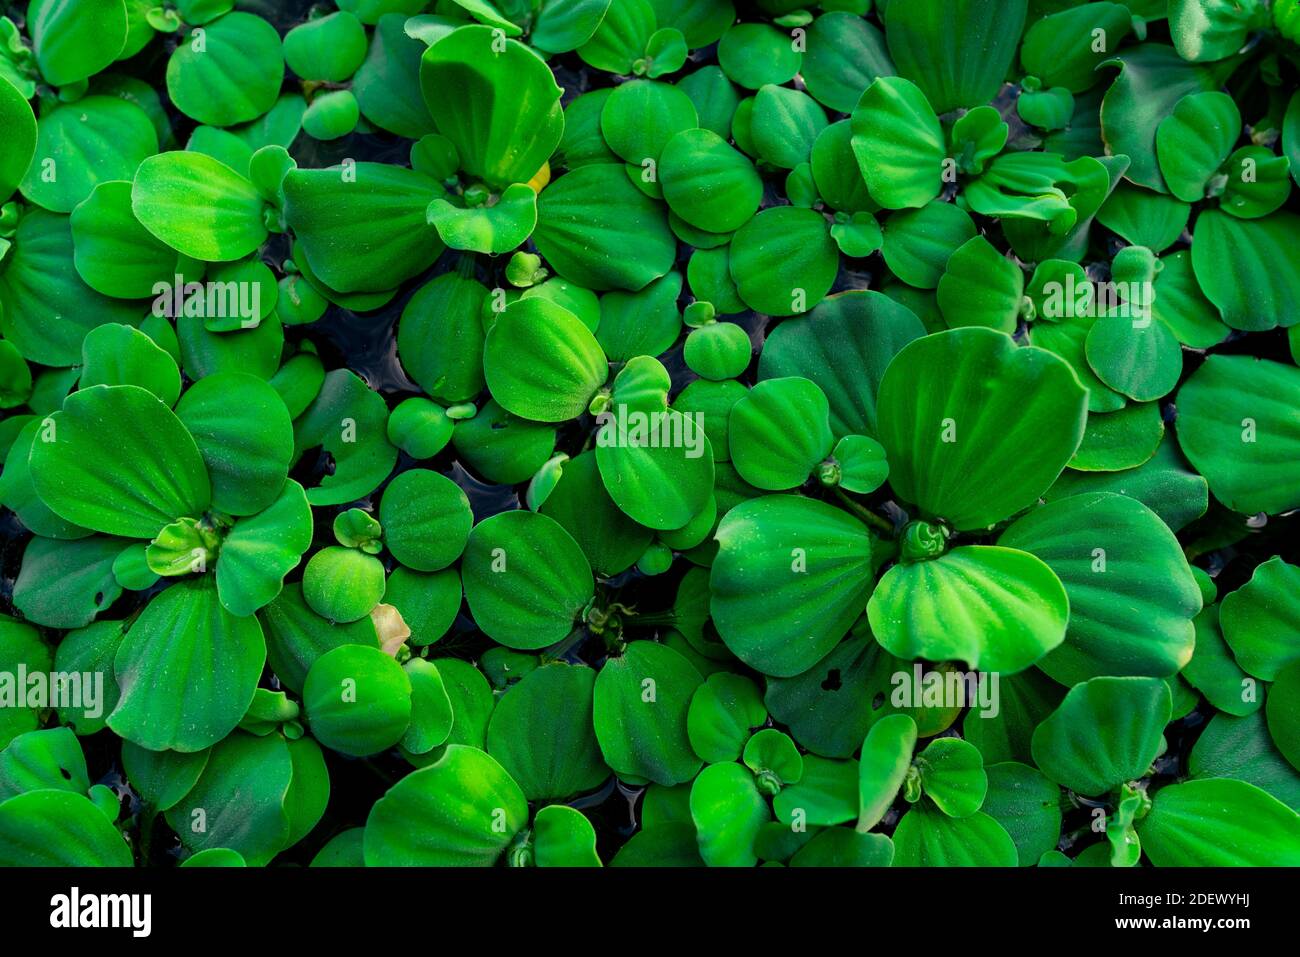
{"x": 1261, "y": 619}
{"x": 1262, "y": 289}
{"x": 790, "y": 577}
{"x": 229, "y": 72}
{"x": 261, "y": 549}
{"x": 541, "y": 362}
{"x": 498, "y": 103}
{"x": 898, "y": 143}
{"x": 198, "y": 206}
{"x": 1012, "y": 607}
{"x": 75, "y": 40}
{"x": 187, "y": 670}
{"x": 66, "y": 584}
{"x": 1106, "y": 732}
{"x": 462, "y": 811}
{"x": 589, "y": 218}
{"x": 784, "y": 261}
{"x": 1237, "y": 425}
{"x": 98, "y": 139}
{"x": 440, "y": 337}
{"x": 945, "y": 404}
{"x": 541, "y": 731}
{"x": 244, "y": 434}
{"x": 957, "y": 51}
{"x": 51, "y": 828}
{"x": 641, "y": 703}
{"x": 844, "y": 345}
{"x": 129, "y": 481}
{"x": 517, "y": 600}
{"x": 239, "y": 800}
{"x": 16, "y": 113}
{"x": 363, "y": 227}
{"x": 1219, "y": 823}
{"x": 1132, "y": 594}
{"x": 926, "y": 837}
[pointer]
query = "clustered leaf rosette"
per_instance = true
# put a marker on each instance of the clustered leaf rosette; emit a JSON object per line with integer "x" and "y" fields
{"x": 864, "y": 432}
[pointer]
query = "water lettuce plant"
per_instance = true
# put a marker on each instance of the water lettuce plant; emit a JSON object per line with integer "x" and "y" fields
{"x": 848, "y": 433}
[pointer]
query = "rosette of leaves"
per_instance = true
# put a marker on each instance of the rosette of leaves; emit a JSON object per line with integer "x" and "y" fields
{"x": 205, "y": 489}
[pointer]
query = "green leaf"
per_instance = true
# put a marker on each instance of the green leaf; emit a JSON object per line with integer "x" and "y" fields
{"x": 16, "y": 113}
{"x": 1209, "y": 29}
{"x": 617, "y": 44}
{"x": 948, "y": 446}
{"x": 958, "y": 52}
{"x": 296, "y": 636}
{"x": 327, "y": 48}
{"x": 779, "y": 433}
{"x": 784, "y": 261}
{"x": 363, "y": 227}
{"x": 723, "y": 712}
{"x": 541, "y": 731}
{"x": 728, "y": 810}
{"x": 162, "y": 778}
{"x": 790, "y": 577}
{"x": 707, "y": 182}
{"x": 357, "y": 700}
{"x": 641, "y": 702}
{"x": 132, "y": 484}
{"x": 898, "y": 143}
{"x": 505, "y": 118}
{"x": 541, "y": 362}
{"x": 387, "y": 84}
{"x": 1262, "y": 289}
{"x": 343, "y": 584}
{"x": 1132, "y": 594}
{"x": 515, "y": 599}
{"x": 186, "y": 638}
{"x": 198, "y": 206}
{"x": 73, "y": 41}
{"x": 564, "y": 25}
{"x": 1153, "y": 78}
{"x": 228, "y": 72}
{"x": 426, "y": 519}
{"x": 244, "y": 434}
{"x": 753, "y": 54}
{"x": 114, "y": 354}
{"x": 462, "y": 811}
{"x": 1027, "y": 805}
{"x": 66, "y": 584}
{"x": 1261, "y": 619}
{"x": 981, "y": 287}
{"x": 79, "y": 145}
{"x": 1219, "y": 823}
{"x": 564, "y": 837}
{"x": 39, "y": 760}
{"x": 611, "y": 541}
{"x": 952, "y": 775}
{"x": 1194, "y": 140}
{"x": 1241, "y": 748}
{"x": 844, "y": 346}
{"x": 930, "y": 838}
{"x": 440, "y": 337}
{"x": 1283, "y": 714}
{"x": 487, "y": 229}
{"x": 589, "y": 218}
{"x": 348, "y": 421}
{"x": 784, "y": 125}
{"x": 260, "y": 550}
{"x": 919, "y": 242}
{"x": 1236, "y": 425}
{"x": 845, "y": 53}
{"x": 240, "y": 799}
{"x": 48, "y": 828}
{"x": 886, "y": 758}
{"x": 657, "y": 466}
{"x": 1014, "y": 606}
{"x": 1106, "y": 732}
{"x": 1061, "y": 49}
